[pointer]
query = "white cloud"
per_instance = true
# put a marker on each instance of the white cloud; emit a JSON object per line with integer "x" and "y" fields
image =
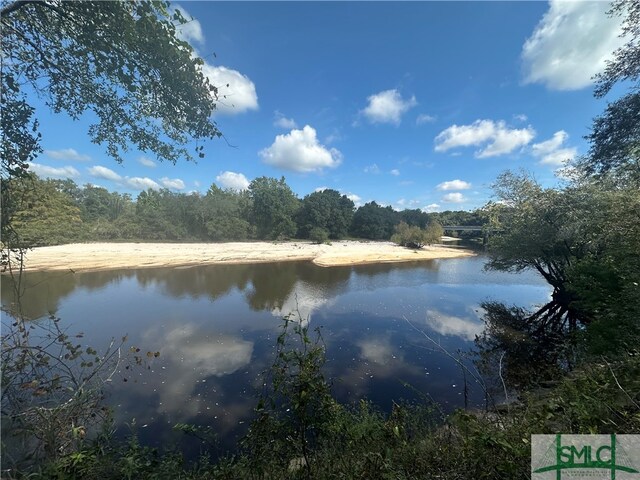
{"x": 570, "y": 44}
{"x": 147, "y": 162}
{"x": 550, "y": 152}
{"x": 560, "y": 156}
{"x": 281, "y": 121}
{"x": 356, "y": 199}
{"x": 506, "y": 141}
{"x": 431, "y": 207}
{"x": 135, "y": 183}
{"x": 454, "y": 185}
{"x": 172, "y": 183}
{"x": 67, "y": 154}
{"x": 454, "y": 198}
{"x": 196, "y": 183}
{"x": 424, "y": 118}
{"x": 387, "y": 107}
{"x": 53, "y": 172}
{"x": 550, "y": 145}
{"x": 521, "y": 117}
{"x": 236, "y": 92}
{"x": 233, "y": 181}
{"x": 141, "y": 183}
{"x": 497, "y": 138}
{"x": 300, "y": 151}
{"x": 372, "y": 169}
{"x": 191, "y": 31}
{"x": 98, "y": 171}
{"x": 395, "y": 172}
{"x": 321, "y": 189}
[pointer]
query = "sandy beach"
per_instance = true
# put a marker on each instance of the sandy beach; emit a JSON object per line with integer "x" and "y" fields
{"x": 106, "y": 256}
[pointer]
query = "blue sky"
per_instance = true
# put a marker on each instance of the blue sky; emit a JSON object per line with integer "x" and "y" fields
{"x": 414, "y": 105}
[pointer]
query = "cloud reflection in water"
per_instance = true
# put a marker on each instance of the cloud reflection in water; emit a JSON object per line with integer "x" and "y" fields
{"x": 451, "y": 325}
{"x": 191, "y": 355}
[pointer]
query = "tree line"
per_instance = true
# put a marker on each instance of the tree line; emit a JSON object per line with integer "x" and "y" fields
{"x": 48, "y": 212}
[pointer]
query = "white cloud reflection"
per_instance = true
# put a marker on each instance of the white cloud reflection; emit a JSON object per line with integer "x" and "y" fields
{"x": 376, "y": 350}
{"x": 303, "y": 300}
{"x": 450, "y": 325}
{"x": 191, "y": 356}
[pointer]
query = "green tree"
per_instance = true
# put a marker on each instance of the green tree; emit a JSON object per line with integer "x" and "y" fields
{"x": 98, "y": 203}
{"x": 36, "y": 213}
{"x": 318, "y": 235}
{"x": 415, "y": 217}
{"x": 153, "y": 216}
{"x": 433, "y": 232}
{"x": 374, "y": 222}
{"x": 416, "y": 237}
{"x": 615, "y": 143}
{"x": 327, "y": 210}
{"x": 539, "y": 229}
{"x": 615, "y": 135}
{"x": 224, "y": 215}
{"x": 120, "y": 60}
{"x": 625, "y": 65}
{"x": 408, "y": 236}
{"x": 274, "y": 207}
{"x": 581, "y": 239}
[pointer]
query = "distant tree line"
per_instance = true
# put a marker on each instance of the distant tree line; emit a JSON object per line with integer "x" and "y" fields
{"x": 49, "y": 212}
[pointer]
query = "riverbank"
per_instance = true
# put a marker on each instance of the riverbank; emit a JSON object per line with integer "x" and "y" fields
{"x": 107, "y": 256}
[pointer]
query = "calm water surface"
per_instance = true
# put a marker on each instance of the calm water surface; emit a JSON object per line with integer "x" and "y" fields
{"x": 215, "y": 327}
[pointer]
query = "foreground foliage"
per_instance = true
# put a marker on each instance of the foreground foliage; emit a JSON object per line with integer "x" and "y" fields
{"x": 122, "y": 61}
{"x": 300, "y": 431}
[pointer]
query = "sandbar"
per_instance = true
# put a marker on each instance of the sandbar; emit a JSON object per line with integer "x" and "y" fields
{"x": 111, "y": 256}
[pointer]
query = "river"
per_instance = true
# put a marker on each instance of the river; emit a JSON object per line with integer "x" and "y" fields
{"x": 215, "y": 328}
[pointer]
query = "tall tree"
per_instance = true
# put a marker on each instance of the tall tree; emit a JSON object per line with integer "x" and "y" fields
{"x": 224, "y": 215}
{"x": 35, "y": 212}
{"x": 625, "y": 64}
{"x": 327, "y": 210}
{"x": 274, "y": 207}
{"x": 153, "y": 215}
{"x": 615, "y": 135}
{"x": 580, "y": 240}
{"x": 120, "y": 60}
{"x": 374, "y": 222}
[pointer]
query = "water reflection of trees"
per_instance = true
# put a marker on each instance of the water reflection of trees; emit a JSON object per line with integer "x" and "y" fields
{"x": 265, "y": 286}
{"x": 268, "y": 286}
{"x": 275, "y": 285}
{"x": 196, "y": 282}
{"x": 375, "y": 269}
{"x": 41, "y": 292}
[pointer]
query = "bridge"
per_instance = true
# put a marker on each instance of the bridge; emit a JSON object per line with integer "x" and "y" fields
{"x": 463, "y": 228}
{"x": 485, "y": 231}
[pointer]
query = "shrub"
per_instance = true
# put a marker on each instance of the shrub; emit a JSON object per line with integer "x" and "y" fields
{"x": 318, "y": 235}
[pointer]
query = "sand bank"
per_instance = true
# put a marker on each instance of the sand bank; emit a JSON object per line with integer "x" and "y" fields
{"x": 106, "y": 256}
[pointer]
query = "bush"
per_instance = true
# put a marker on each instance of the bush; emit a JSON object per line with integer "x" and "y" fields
{"x": 319, "y": 235}
{"x": 415, "y": 237}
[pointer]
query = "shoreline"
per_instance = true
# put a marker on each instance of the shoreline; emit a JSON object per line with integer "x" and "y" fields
{"x": 79, "y": 257}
